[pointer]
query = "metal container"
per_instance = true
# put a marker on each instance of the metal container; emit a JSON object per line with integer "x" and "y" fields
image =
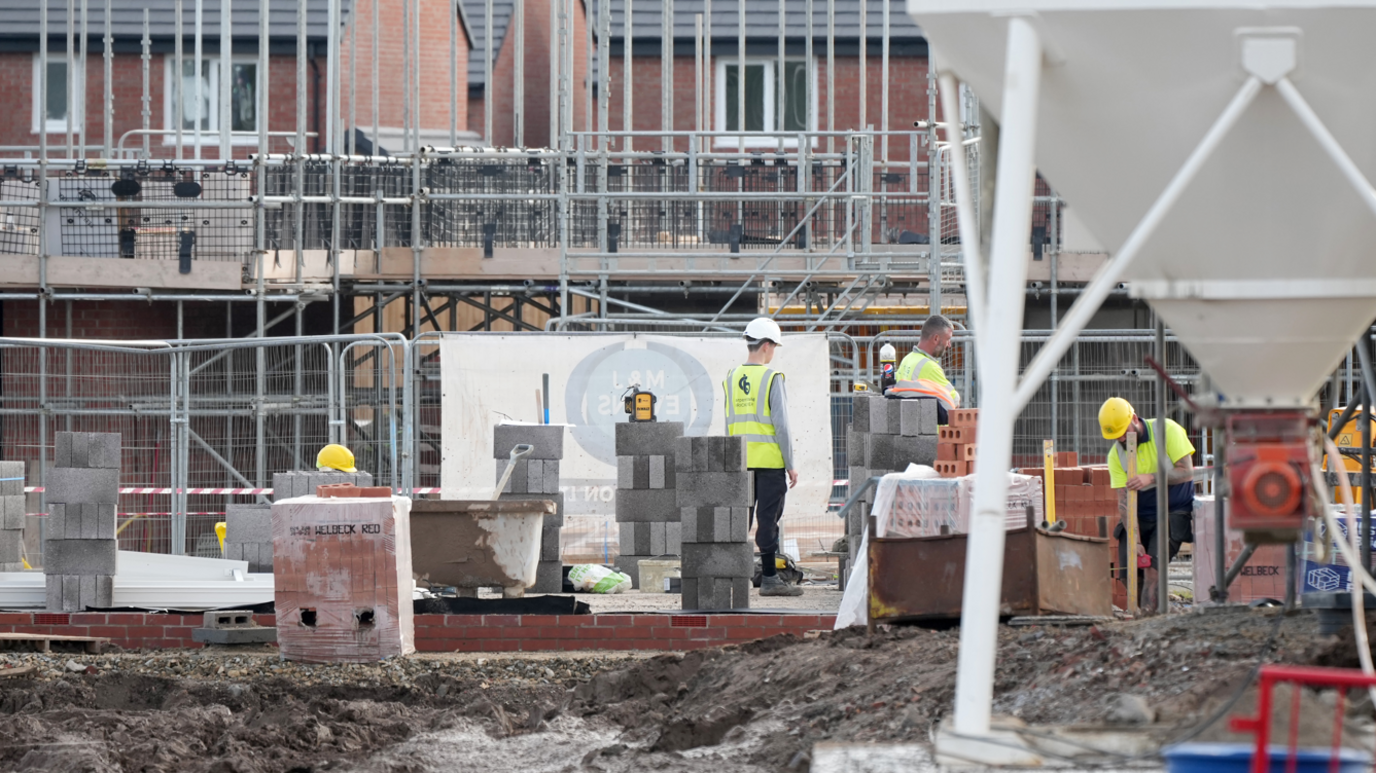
{"x": 473, "y": 544}
{"x": 1044, "y": 573}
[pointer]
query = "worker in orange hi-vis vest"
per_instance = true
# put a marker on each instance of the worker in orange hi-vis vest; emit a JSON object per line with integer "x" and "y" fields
{"x": 920, "y": 375}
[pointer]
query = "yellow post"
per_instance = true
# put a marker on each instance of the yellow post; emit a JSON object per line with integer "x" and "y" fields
{"x": 1049, "y": 482}
{"x": 1131, "y": 551}
{"x": 220, "y": 532}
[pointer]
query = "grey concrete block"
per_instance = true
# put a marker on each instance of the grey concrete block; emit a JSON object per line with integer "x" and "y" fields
{"x": 726, "y": 454}
{"x": 703, "y": 489}
{"x": 248, "y": 523}
{"x": 661, "y": 471}
{"x": 103, "y": 450}
{"x": 10, "y": 546}
{"x": 248, "y": 551}
{"x": 626, "y": 534}
{"x": 625, "y": 472}
{"x": 930, "y": 420}
{"x": 547, "y": 440}
{"x": 688, "y": 588}
{"x": 882, "y": 454}
{"x": 283, "y": 485}
{"x": 673, "y": 539}
{"x": 264, "y": 559}
{"x": 68, "y": 485}
{"x": 57, "y": 522}
{"x": 691, "y": 454}
{"x": 869, "y": 413}
{"x": 557, "y": 519}
{"x": 16, "y": 566}
{"x": 549, "y": 544}
{"x": 260, "y": 634}
{"x": 640, "y": 471}
{"x": 740, "y": 592}
{"x": 657, "y": 539}
{"x": 706, "y": 524}
{"x": 92, "y": 525}
{"x": 228, "y": 618}
{"x": 53, "y": 597}
{"x": 549, "y": 577}
{"x": 894, "y": 415}
{"x": 740, "y": 524}
{"x": 910, "y": 413}
{"x": 62, "y": 457}
{"x": 12, "y": 479}
{"x": 914, "y": 450}
{"x": 551, "y": 485}
{"x": 516, "y": 484}
{"x": 14, "y": 512}
{"x": 731, "y": 559}
{"x": 80, "y": 449}
{"x": 80, "y": 556}
{"x": 644, "y": 438}
{"x": 234, "y": 551}
{"x": 630, "y": 565}
{"x": 715, "y": 593}
{"x": 640, "y": 505}
{"x": 71, "y": 593}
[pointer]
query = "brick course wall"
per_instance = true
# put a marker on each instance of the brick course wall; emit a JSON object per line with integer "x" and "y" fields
{"x": 459, "y": 633}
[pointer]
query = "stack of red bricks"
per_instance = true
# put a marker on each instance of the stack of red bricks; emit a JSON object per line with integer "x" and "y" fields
{"x": 955, "y": 444}
{"x": 1084, "y": 498}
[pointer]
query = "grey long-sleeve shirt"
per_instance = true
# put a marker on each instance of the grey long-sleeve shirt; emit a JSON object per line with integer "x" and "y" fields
{"x": 778, "y": 409}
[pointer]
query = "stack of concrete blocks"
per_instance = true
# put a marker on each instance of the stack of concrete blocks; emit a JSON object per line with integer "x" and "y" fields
{"x": 885, "y": 435}
{"x": 536, "y": 477}
{"x": 646, "y": 506}
{"x": 11, "y": 516}
{"x": 715, "y": 493}
{"x": 82, "y": 491}
{"x": 248, "y": 528}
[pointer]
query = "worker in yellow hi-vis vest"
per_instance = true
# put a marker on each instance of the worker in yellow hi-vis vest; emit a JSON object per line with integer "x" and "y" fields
{"x": 920, "y": 374}
{"x": 756, "y": 409}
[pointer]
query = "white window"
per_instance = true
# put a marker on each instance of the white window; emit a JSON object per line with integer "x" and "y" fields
{"x": 243, "y": 100}
{"x": 762, "y": 89}
{"x": 52, "y": 112}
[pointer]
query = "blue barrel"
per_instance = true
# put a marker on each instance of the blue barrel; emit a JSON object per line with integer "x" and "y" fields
{"x": 1237, "y": 758}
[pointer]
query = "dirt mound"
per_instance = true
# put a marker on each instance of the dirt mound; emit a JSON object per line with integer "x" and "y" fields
{"x": 847, "y": 686}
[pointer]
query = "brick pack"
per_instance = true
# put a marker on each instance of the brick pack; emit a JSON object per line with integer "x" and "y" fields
{"x": 646, "y": 503}
{"x": 535, "y": 476}
{"x": 80, "y": 550}
{"x": 342, "y": 578}
{"x": 714, "y": 496}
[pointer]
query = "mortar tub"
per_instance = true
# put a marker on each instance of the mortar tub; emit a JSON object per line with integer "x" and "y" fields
{"x": 1044, "y": 573}
{"x": 477, "y": 543}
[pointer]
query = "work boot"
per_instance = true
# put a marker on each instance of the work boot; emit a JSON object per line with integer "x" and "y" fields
{"x": 771, "y": 585}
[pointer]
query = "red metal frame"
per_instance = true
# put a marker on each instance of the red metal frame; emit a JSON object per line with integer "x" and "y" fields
{"x": 1341, "y": 678}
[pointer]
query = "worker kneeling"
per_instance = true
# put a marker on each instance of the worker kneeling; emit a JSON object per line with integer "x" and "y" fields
{"x": 1116, "y": 420}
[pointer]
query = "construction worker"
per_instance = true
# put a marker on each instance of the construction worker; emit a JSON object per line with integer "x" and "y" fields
{"x": 920, "y": 374}
{"x": 757, "y": 409}
{"x": 1116, "y": 420}
{"x": 335, "y": 457}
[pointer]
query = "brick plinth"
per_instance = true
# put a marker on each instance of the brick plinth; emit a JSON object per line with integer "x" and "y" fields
{"x": 461, "y": 633}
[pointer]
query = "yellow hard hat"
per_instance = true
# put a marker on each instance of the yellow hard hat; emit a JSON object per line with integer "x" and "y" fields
{"x": 335, "y": 457}
{"x": 1115, "y": 416}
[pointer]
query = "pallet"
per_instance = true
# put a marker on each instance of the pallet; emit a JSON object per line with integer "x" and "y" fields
{"x": 43, "y": 641}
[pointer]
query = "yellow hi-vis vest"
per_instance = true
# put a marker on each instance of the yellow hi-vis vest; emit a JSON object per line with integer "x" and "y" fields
{"x": 920, "y": 373}
{"x": 748, "y": 415}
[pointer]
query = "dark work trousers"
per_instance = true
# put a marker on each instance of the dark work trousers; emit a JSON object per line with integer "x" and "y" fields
{"x": 1182, "y": 530}
{"x": 770, "y": 487}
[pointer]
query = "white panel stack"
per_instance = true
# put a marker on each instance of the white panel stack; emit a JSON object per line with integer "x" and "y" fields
{"x": 82, "y": 491}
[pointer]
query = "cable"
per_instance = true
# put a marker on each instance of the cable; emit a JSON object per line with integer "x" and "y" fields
{"x": 1351, "y": 555}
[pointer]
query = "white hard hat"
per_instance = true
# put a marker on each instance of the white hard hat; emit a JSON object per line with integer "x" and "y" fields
{"x": 765, "y": 329}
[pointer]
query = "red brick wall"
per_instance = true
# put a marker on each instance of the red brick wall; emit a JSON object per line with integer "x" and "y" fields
{"x": 539, "y": 42}
{"x": 17, "y": 86}
{"x": 436, "y": 96}
{"x": 907, "y": 96}
{"x": 461, "y": 633}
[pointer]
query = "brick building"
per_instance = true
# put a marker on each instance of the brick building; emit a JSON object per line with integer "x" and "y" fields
{"x": 19, "y": 75}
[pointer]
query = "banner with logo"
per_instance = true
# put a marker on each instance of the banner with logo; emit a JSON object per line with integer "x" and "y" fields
{"x": 491, "y": 378}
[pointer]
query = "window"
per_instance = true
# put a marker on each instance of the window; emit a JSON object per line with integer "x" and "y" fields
{"x": 243, "y": 99}
{"x": 762, "y": 86}
{"x": 52, "y": 113}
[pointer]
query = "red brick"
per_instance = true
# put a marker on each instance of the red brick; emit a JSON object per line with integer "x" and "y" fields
{"x": 598, "y": 633}
{"x": 507, "y": 621}
{"x": 125, "y": 618}
{"x": 88, "y": 618}
{"x": 617, "y": 620}
{"x": 23, "y": 618}
{"x": 450, "y": 621}
{"x": 650, "y": 621}
{"x": 573, "y": 621}
{"x": 743, "y": 633}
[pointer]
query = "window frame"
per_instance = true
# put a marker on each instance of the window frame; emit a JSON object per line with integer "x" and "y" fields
{"x": 770, "y": 106}
{"x": 211, "y": 135}
{"x": 39, "y": 120}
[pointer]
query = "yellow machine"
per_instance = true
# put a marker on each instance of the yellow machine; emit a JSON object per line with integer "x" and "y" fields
{"x": 1349, "y": 437}
{"x": 640, "y": 406}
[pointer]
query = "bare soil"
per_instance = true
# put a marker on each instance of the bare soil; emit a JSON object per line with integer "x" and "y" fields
{"x": 753, "y": 707}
